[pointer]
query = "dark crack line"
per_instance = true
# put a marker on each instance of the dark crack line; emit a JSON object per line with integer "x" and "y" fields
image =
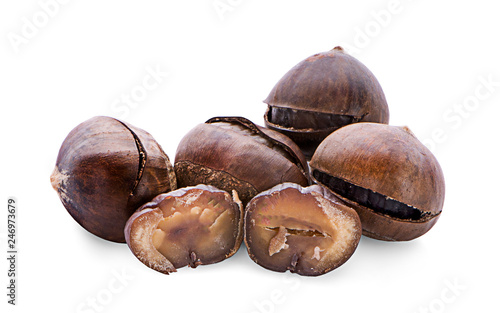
{"x": 301, "y": 232}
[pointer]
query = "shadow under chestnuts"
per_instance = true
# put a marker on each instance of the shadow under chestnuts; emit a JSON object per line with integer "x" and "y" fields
{"x": 235, "y": 181}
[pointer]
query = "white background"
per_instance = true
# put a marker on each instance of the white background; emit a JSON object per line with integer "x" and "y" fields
{"x": 437, "y": 61}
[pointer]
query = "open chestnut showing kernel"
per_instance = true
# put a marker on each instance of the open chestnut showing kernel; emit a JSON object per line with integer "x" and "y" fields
{"x": 189, "y": 226}
{"x": 321, "y": 94}
{"x": 105, "y": 170}
{"x": 386, "y": 174}
{"x": 304, "y": 230}
{"x": 232, "y": 153}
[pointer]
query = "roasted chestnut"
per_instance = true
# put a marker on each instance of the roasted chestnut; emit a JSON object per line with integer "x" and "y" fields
{"x": 386, "y": 174}
{"x": 105, "y": 170}
{"x": 307, "y": 231}
{"x": 232, "y": 153}
{"x": 189, "y": 226}
{"x": 321, "y": 94}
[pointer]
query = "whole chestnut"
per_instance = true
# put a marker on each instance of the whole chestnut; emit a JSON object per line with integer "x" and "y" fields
{"x": 321, "y": 94}
{"x": 189, "y": 226}
{"x": 232, "y": 153}
{"x": 105, "y": 170}
{"x": 307, "y": 231}
{"x": 386, "y": 174}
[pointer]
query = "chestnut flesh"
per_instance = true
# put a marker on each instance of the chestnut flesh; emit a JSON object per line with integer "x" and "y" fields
{"x": 189, "y": 226}
{"x": 386, "y": 174}
{"x": 105, "y": 170}
{"x": 307, "y": 231}
{"x": 234, "y": 153}
{"x": 321, "y": 94}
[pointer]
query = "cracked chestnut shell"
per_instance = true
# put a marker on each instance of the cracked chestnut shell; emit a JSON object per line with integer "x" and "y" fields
{"x": 321, "y": 94}
{"x": 386, "y": 174}
{"x": 189, "y": 226}
{"x": 232, "y": 153}
{"x": 307, "y": 231}
{"x": 105, "y": 170}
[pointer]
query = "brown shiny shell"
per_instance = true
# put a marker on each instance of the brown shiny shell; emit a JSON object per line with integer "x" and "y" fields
{"x": 390, "y": 163}
{"x": 329, "y": 83}
{"x": 105, "y": 170}
{"x": 234, "y": 153}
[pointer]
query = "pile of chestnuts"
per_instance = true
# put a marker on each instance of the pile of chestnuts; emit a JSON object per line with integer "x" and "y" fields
{"x": 299, "y": 192}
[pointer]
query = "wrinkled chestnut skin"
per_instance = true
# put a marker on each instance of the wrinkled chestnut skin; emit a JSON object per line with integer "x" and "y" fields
{"x": 234, "y": 153}
{"x": 321, "y": 94}
{"x": 387, "y": 175}
{"x": 307, "y": 231}
{"x": 191, "y": 226}
{"x": 105, "y": 170}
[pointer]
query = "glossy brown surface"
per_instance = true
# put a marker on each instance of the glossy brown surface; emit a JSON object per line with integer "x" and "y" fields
{"x": 105, "y": 170}
{"x": 190, "y": 226}
{"x": 391, "y": 171}
{"x": 307, "y": 231}
{"x": 321, "y": 94}
{"x": 233, "y": 153}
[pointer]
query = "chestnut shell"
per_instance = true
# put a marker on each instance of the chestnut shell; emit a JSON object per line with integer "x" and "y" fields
{"x": 321, "y": 94}
{"x": 105, "y": 170}
{"x": 234, "y": 153}
{"x": 392, "y": 180}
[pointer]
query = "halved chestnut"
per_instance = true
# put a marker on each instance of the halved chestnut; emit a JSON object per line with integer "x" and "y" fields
{"x": 304, "y": 230}
{"x": 189, "y": 226}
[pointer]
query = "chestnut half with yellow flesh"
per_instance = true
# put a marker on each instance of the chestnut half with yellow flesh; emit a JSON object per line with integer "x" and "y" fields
{"x": 232, "y": 153}
{"x": 105, "y": 170}
{"x": 189, "y": 226}
{"x": 307, "y": 231}
{"x": 386, "y": 174}
{"x": 321, "y": 94}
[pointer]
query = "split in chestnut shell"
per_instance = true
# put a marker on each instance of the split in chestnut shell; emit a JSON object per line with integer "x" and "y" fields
{"x": 105, "y": 170}
{"x": 386, "y": 174}
{"x": 321, "y": 94}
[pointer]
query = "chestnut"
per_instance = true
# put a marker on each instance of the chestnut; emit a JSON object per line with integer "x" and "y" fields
{"x": 189, "y": 226}
{"x": 105, "y": 170}
{"x": 386, "y": 174}
{"x": 307, "y": 231}
{"x": 232, "y": 153}
{"x": 321, "y": 94}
